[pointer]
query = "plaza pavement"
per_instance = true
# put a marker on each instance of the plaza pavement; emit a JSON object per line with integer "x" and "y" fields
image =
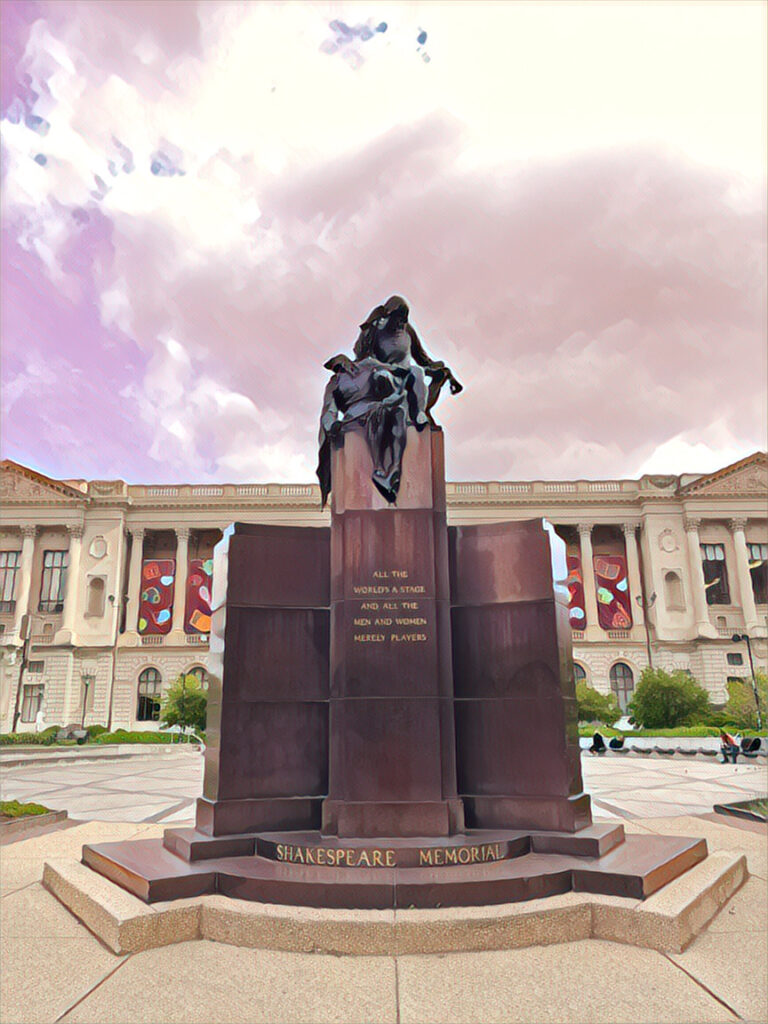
{"x": 164, "y": 788}
{"x": 54, "y": 969}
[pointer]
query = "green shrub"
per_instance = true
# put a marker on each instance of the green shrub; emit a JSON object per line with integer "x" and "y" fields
{"x": 123, "y": 736}
{"x": 13, "y": 809}
{"x": 42, "y": 739}
{"x": 185, "y": 703}
{"x": 96, "y": 730}
{"x": 665, "y": 700}
{"x": 740, "y": 710}
{"x": 596, "y": 707}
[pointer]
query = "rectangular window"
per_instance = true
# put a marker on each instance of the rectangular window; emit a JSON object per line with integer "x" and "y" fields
{"x": 53, "y": 582}
{"x": 32, "y": 701}
{"x": 758, "y": 570}
{"x": 35, "y": 668}
{"x": 735, "y": 659}
{"x": 715, "y": 574}
{"x": 9, "y": 566}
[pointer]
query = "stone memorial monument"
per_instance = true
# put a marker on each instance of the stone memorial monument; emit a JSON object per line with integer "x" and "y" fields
{"x": 392, "y": 719}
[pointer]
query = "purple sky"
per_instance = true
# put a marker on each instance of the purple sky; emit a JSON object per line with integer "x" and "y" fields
{"x": 201, "y": 202}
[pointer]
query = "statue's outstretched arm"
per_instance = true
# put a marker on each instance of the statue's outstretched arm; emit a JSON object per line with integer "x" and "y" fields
{"x": 421, "y": 358}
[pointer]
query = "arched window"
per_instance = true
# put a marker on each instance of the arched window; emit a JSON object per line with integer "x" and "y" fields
{"x": 622, "y": 683}
{"x": 94, "y": 607}
{"x": 673, "y": 592}
{"x": 200, "y": 674}
{"x": 579, "y": 675}
{"x": 150, "y": 684}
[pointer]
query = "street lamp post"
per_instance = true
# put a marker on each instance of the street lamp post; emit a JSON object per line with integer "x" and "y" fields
{"x": 737, "y": 638}
{"x": 646, "y": 603}
{"x": 87, "y": 681}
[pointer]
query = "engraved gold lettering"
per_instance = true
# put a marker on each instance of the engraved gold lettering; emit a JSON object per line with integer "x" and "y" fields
{"x": 280, "y": 851}
{"x": 464, "y": 855}
{"x": 380, "y": 574}
{"x": 474, "y": 855}
{"x": 364, "y": 859}
{"x": 390, "y": 858}
{"x": 361, "y": 622}
{"x": 451, "y": 856}
{"x": 377, "y": 861}
{"x": 425, "y": 857}
{"x": 370, "y": 606}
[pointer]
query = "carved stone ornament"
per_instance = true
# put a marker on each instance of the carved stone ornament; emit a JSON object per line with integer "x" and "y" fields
{"x": 668, "y": 541}
{"x": 14, "y": 486}
{"x": 662, "y": 482}
{"x": 750, "y": 480}
{"x": 98, "y": 547}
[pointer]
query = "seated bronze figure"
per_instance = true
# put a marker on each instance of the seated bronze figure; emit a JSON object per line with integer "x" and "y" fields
{"x": 382, "y": 391}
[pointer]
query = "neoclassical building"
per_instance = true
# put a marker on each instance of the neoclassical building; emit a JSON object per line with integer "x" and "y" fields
{"x": 115, "y": 579}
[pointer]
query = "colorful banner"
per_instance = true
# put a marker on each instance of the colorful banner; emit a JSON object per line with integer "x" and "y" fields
{"x": 156, "y": 604}
{"x": 197, "y": 615}
{"x": 613, "y": 608}
{"x": 576, "y": 614}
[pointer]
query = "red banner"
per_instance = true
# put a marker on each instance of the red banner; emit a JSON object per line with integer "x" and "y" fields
{"x": 614, "y": 610}
{"x": 197, "y": 615}
{"x": 156, "y": 605}
{"x": 575, "y": 582}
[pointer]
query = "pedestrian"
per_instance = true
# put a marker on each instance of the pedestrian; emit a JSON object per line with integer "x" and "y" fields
{"x": 729, "y": 747}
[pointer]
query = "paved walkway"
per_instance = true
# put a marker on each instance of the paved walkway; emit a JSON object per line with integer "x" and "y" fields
{"x": 55, "y": 970}
{"x": 164, "y": 789}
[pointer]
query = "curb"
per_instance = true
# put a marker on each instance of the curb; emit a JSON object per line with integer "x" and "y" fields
{"x": 667, "y": 921}
{"x": 17, "y": 826}
{"x": 121, "y": 750}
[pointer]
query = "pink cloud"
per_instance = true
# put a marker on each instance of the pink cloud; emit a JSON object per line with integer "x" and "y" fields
{"x": 594, "y": 307}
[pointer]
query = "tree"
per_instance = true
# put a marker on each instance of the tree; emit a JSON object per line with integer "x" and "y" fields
{"x": 740, "y": 709}
{"x": 596, "y": 707}
{"x": 664, "y": 700}
{"x": 185, "y": 703}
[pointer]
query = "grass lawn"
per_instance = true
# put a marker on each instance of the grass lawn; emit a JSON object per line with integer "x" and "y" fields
{"x": 13, "y": 809}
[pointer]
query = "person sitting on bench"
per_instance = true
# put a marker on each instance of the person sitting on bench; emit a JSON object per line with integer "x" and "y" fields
{"x": 729, "y": 747}
{"x": 598, "y": 744}
{"x": 616, "y": 742}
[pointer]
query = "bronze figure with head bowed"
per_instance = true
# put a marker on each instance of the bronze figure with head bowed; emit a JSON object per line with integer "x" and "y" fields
{"x": 381, "y": 392}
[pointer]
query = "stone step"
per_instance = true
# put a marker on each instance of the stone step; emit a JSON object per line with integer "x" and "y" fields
{"x": 634, "y": 868}
{"x": 667, "y": 921}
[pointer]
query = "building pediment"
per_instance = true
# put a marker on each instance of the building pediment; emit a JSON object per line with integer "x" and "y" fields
{"x": 18, "y": 484}
{"x": 747, "y": 478}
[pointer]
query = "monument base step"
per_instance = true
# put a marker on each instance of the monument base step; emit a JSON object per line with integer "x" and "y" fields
{"x": 634, "y": 868}
{"x": 667, "y": 921}
{"x": 470, "y": 847}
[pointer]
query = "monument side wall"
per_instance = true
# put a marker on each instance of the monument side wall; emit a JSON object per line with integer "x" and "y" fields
{"x": 267, "y": 757}
{"x": 517, "y": 744}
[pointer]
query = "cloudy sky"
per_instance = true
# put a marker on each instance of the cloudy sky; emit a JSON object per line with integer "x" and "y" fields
{"x": 202, "y": 200}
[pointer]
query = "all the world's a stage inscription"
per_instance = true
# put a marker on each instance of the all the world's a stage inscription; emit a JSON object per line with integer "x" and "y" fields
{"x": 395, "y": 616}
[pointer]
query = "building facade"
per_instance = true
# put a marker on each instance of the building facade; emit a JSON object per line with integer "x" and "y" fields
{"x": 116, "y": 579}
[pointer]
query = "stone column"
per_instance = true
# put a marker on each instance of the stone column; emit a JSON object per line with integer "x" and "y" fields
{"x": 134, "y": 577}
{"x": 743, "y": 574}
{"x": 633, "y": 573}
{"x": 591, "y": 627}
{"x": 72, "y": 583}
{"x": 180, "y": 584}
{"x": 24, "y": 578}
{"x": 700, "y": 608}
